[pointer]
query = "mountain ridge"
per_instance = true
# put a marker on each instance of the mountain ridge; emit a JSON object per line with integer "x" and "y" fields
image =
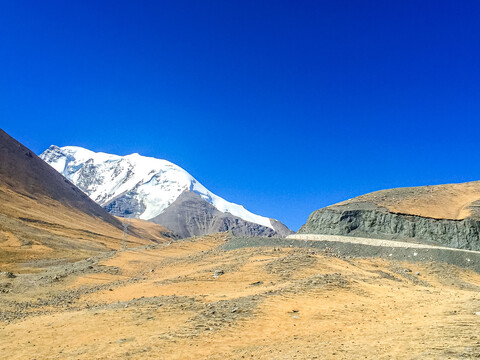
{"x": 44, "y": 216}
{"x": 142, "y": 187}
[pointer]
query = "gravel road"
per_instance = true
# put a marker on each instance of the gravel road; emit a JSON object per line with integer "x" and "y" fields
{"x": 372, "y": 242}
{"x": 344, "y": 246}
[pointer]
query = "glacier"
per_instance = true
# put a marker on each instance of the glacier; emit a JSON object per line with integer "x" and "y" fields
{"x": 153, "y": 183}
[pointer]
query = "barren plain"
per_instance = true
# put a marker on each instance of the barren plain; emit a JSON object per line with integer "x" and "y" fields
{"x": 204, "y": 298}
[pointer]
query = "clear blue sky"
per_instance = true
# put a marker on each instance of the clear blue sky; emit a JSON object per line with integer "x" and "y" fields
{"x": 282, "y": 106}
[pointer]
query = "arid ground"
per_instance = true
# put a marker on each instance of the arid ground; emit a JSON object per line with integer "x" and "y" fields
{"x": 195, "y": 299}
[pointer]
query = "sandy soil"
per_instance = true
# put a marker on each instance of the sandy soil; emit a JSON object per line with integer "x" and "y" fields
{"x": 41, "y": 228}
{"x": 450, "y": 201}
{"x": 164, "y": 302}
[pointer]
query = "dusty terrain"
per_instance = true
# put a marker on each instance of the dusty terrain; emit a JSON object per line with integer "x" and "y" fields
{"x": 450, "y": 201}
{"x": 195, "y": 300}
{"x": 45, "y": 217}
{"x": 42, "y": 228}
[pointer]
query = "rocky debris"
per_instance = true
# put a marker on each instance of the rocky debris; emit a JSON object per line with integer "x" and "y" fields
{"x": 328, "y": 281}
{"x": 88, "y": 266}
{"x": 121, "y": 341}
{"x": 7, "y": 275}
{"x": 5, "y": 288}
{"x": 406, "y": 274}
{"x": 210, "y": 316}
{"x": 385, "y": 275}
{"x": 345, "y": 250}
{"x": 288, "y": 265}
{"x": 59, "y": 301}
{"x": 225, "y": 312}
{"x": 218, "y": 273}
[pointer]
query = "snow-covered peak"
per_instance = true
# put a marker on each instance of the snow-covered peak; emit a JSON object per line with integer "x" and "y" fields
{"x": 143, "y": 186}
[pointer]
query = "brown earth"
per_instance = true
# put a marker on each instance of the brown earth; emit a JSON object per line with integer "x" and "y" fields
{"x": 164, "y": 302}
{"x": 451, "y": 201}
{"x": 45, "y": 217}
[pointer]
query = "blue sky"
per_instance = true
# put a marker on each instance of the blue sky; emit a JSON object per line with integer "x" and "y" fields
{"x": 282, "y": 106}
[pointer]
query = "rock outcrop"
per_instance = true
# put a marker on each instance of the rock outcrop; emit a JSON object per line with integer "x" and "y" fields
{"x": 373, "y": 216}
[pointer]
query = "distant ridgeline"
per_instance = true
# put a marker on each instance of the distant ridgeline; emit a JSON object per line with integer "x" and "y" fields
{"x": 158, "y": 191}
{"x": 444, "y": 214}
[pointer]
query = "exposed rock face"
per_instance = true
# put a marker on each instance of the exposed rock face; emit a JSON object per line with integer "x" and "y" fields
{"x": 358, "y": 217}
{"x": 462, "y": 234}
{"x": 125, "y": 205}
{"x": 190, "y": 215}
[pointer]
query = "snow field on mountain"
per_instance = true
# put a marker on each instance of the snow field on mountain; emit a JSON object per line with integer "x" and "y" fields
{"x": 155, "y": 183}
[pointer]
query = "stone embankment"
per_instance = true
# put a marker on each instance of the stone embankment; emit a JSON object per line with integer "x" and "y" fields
{"x": 376, "y": 222}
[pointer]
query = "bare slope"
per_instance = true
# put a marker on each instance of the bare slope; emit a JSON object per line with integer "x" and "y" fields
{"x": 190, "y": 215}
{"x": 44, "y": 216}
{"x": 450, "y": 201}
{"x": 270, "y": 302}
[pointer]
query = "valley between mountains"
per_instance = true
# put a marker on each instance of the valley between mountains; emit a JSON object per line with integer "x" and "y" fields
{"x": 394, "y": 274}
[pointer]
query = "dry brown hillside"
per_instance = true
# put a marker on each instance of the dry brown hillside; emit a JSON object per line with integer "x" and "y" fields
{"x": 451, "y": 201}
{"x": 44, "y": 216}
{"x": 194, "y": 300}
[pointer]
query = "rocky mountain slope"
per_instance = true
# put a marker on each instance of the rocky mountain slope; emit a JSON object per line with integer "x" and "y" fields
{"x": 190, "y": 215}
{"x": 445, "y": 214}
{"x": 43, "y": 215}
{"x": 146, "y": 188}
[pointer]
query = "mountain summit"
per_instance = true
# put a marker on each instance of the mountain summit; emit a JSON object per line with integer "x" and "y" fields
{"x": 146, "y": 187}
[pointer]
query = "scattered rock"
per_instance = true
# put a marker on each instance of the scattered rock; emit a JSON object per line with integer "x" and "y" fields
{"x": 218, "y": 273}
{"x": 120, "y": 341}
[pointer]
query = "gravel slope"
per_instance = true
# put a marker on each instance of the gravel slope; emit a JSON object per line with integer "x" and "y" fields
{"x": 343, "y": 246}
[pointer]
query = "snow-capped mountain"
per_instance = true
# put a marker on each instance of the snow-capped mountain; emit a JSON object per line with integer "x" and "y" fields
{"x": 139, "y": 186}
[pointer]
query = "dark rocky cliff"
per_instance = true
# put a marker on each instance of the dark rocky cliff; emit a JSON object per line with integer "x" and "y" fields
{"x": 363, "y": 219}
